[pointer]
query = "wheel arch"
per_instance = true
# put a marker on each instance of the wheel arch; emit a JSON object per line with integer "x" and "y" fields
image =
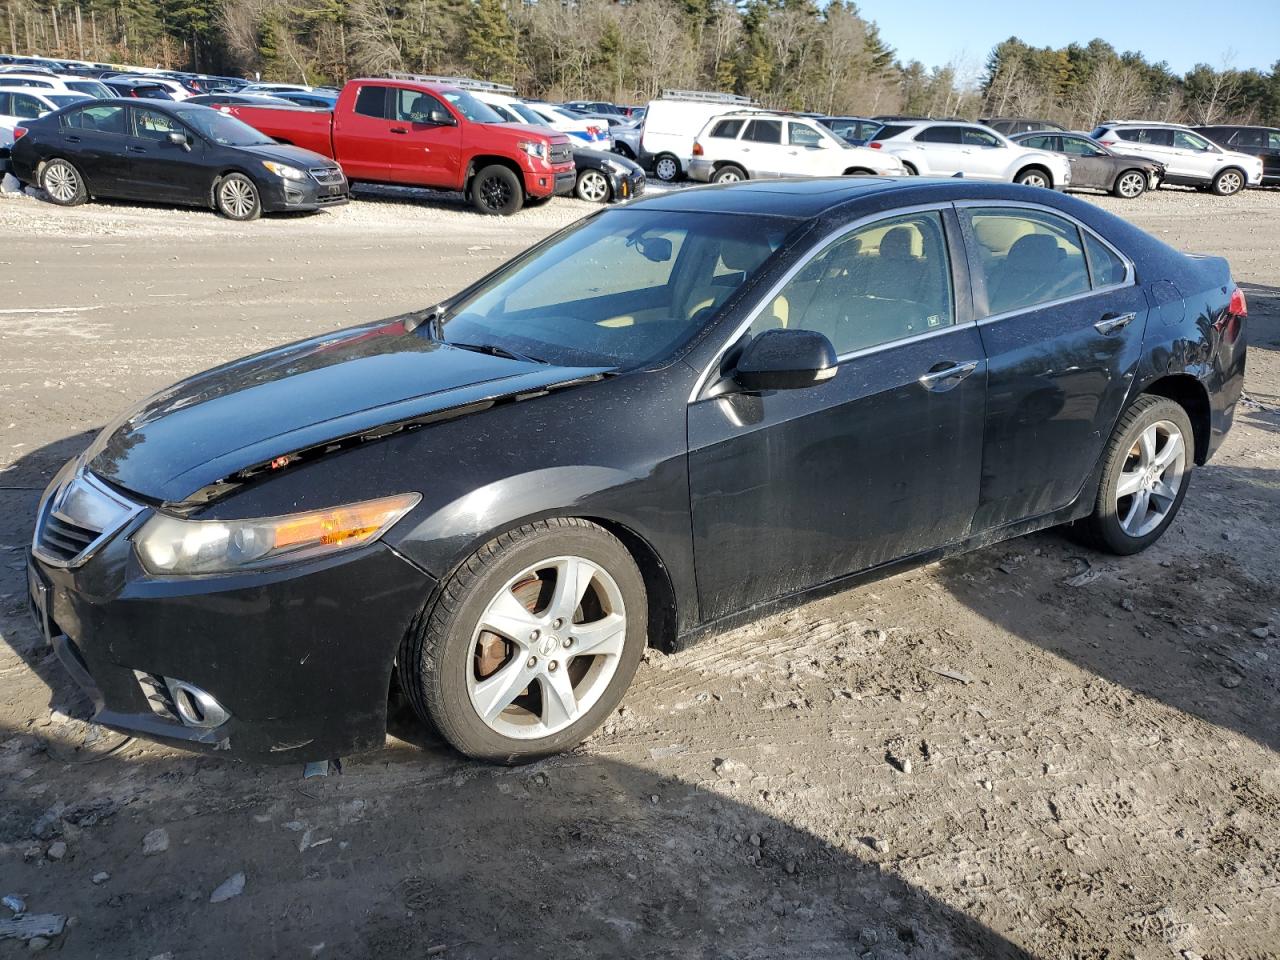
{"x": 859, "y": 172}
{"x": 221, "y": 175}
{"x": 482, "y": 160}
{"x": 1127, "y": 170}
{"x": 659, "y": 592}
{"x": 1190, "y": 394}
{"x": 1035, "y": 165}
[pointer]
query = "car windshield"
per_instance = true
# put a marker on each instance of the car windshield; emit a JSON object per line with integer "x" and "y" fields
{"x": 528, "y": 115}
{"x": 221, "y": 128}
{"x": 471, "y": 108}
{"x": 625, "y": 288}
{"x": 66, "y": 99}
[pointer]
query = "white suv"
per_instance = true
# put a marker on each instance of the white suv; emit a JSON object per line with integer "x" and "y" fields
{"x": 1189, "y": 159}
{"x": 933, "y": 148}
{"x": 754, "y": 144}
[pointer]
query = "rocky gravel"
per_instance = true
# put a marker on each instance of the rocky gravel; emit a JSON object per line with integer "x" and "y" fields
{"x": 1029, "y": 751}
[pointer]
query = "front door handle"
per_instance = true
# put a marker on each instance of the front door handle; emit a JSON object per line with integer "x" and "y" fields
{"x": 1112, "y": 322}
{"x": 943, "y": 376}
{"x": 137, "y": 149}
{"x": 70, "y": 139}
{"x": 399, "y": 130}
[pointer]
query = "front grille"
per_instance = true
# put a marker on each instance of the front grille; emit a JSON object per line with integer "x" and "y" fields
{"x": 561, "y": 153}
{"x": 65, "y": 540}
{"x": 327, "y": 176}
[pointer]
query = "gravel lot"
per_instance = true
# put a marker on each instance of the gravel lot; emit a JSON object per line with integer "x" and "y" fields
{"x": 1030, "y": 751}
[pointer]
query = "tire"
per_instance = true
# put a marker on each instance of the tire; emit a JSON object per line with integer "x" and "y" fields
{"x": 666, "y": 168}
{"x": 1130, "y": 185}
{"x": 911, "y": 169}
{"x": 729, "y": 173}
{"x": 62, "y": 183}
{"x": 496, "y": 191}
{"x": 623, "y": 150}
{"x": 593, "y": 187}
{"x": 1034, "y": 177}
{"x": 1228, "y": 182}
{"x": 443, "y": 668}
{"x": 861, "y": 172}
{"x": 236, "y": 197}
{"x": 1115, "y": 525}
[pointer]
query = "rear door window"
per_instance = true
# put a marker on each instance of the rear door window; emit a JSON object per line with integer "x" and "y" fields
{"x": 371, "y": 101}
{"x": 1162, "y": 138}
{"x": 1039, "y": 143}
{"x": 1248, "y": 138}
{"x": 939, "y": 135}
{"x": 1026, "y": 258}
{"x": 764, "y": 131}
{"x": 103, "y": 119}
{"x": 27, "y": 107}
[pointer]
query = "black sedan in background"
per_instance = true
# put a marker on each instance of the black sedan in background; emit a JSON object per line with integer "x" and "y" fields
{"x": 605, "y": 176}
{"x": 1094, "y": 167}
{"x": 172, "y": 153}
{"x": 674, "y": 414}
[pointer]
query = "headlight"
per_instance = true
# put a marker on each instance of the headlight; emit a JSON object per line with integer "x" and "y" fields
{"x": 534, "y": 148}
{"x": 619, "y": 168}
{"x": 284, "y": 170}
{"x": 169, "y": 546}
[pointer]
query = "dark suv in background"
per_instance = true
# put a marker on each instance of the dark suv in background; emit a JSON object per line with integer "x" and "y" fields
{"x": 1261, "y": 142}
{"x": 1012, "y": 125}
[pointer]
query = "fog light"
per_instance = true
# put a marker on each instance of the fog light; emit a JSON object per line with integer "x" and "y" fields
{"x": 185, "y": 702}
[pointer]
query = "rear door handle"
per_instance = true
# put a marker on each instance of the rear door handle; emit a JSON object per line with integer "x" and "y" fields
{"x": 943, "y": 376}
{"x": 71, "y": 139}
{"x": 1112, "y": 322}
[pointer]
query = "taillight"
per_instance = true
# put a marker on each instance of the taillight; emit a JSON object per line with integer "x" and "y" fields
{"x": 697, "y": 149}
{"x": 1237, "y": 307}
{"x": 20, "y": 132}
{"x": 875, "y": 144}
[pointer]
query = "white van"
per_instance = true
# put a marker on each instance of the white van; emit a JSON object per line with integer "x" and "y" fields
{"x": 673, "y": 122}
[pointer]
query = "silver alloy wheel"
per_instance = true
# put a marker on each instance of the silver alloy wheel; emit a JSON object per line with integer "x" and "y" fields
{"x": 61, "y": 181}
{"x": 666, "y": 169}
{"x": 728, "y": 175}
{"x": 1034, "y": 179}
{"x": 1131, "y": 185}
{"x": 1153, "y": 474}
{"x": 1230, "y": 182}
{"x": 237, "y": 197}
{"x": 563, "y": 624}
{"x": 593, "y": 187}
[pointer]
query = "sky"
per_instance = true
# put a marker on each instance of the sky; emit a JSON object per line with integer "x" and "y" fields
{"x": 1182, "y": 32}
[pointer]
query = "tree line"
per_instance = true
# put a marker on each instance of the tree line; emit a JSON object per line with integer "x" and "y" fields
{"x": 789, "y": 54}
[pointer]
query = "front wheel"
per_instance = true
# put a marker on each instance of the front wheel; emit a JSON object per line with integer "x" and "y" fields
{"x": 1228, "y": 182}
{"x": 593, "y": 187}
{"x": 1130, "y": 185}
{"x": 532, "y": 642}
{"x": 62, "y": 182}
{"x": 1144, "y": 478}
{"x": 497, "y": 191}
{"x": 236, "y": 197}
{"x": 1034, "y": 177}
{"x": 666, "y": 168}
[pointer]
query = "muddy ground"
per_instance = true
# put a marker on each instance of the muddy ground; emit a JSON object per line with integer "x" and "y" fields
{"x": 1092, "y": 741}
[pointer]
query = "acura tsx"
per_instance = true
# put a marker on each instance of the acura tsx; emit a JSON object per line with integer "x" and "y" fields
{"x": 663, "y": 419}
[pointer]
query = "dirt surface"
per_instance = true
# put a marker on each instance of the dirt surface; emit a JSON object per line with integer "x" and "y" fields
{"x": 1033, "y": 750}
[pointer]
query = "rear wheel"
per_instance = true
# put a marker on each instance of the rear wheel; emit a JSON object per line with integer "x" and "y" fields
{"x": 729, "y": 173}
{"x": 593, "y": 186}
{"x": 1228, "y": 182}
{"x": 666, "y": 168}
{"x": 532, "y": 643}
{"x": 1034, "y": 177}
{"x": 1145, "y": 477}
{"x": 62, "y": 182}
{"x": 911, "y": 169}
{"x": 497, "y": 191}
{"x": 1130, "y": 185}
{"x": 236, "y": 197}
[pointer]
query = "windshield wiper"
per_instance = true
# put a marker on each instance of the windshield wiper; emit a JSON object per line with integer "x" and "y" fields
{"x": 493, "y": 350}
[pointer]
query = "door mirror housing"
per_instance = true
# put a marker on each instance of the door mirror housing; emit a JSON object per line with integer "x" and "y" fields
{"x": 785, "y": 360}
{"x": 179, "y": 140}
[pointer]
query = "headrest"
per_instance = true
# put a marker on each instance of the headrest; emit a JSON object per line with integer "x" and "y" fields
{"x": 1035, "y": 251}
{"x": 740, "y": 255}
{"x": 897, "y": 243}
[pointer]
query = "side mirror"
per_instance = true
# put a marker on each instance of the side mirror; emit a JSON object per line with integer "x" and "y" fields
{"x": 442, "y": 119}
{"x": 786, "y": 360}
{"x": 179, "y": 140}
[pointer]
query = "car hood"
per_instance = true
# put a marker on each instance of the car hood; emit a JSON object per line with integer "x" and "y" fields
{"x": 285, "y": 153}
{"x": 246, "y": 413}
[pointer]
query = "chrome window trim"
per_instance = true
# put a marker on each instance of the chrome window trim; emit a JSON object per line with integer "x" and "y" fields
{"x": 825, "y": 242}
{"x": 50, "y": 507}
{"x": 1130, "y": 272}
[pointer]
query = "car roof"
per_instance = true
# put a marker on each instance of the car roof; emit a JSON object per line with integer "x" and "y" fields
{"x": 1144, "y": 123}
{"x": 804, "y": 199}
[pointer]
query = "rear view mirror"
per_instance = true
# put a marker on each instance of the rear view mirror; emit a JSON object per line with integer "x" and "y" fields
{"x": 179, "y": 140}
{"x": 657, "y": 249}
{"x": 786, "y": 360}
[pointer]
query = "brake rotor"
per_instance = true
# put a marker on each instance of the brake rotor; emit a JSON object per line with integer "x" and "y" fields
{"x": 493, "y": 651}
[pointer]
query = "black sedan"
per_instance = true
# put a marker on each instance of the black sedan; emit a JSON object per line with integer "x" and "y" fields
{"x": 672, "y": 415}
{"x": 604, "y": 176}
{"x": 1094, "y": 167}
{"x": 174, "y": 153}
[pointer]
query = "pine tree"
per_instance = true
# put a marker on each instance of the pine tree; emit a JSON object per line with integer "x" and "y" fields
{"x": 493, "y": 51}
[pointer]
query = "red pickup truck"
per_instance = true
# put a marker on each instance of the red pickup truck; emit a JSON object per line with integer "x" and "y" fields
{"x": 411, "y": 132}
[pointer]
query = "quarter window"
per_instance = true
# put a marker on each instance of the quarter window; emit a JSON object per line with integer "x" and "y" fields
{"x": 764, "y": 131}
{"x": 883, "y": 282}
{"x": 1026, "y": 257}
{"x": 1105, "y": 267}
{"x": 371, "y": 101}
{"x": 728, "y": 129}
